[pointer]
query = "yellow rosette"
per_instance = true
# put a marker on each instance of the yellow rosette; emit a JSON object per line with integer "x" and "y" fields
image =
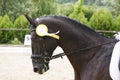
{"x": 42, "y": 31}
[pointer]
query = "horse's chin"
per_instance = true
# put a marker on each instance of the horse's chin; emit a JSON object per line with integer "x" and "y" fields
{"x": 42, "y": 71}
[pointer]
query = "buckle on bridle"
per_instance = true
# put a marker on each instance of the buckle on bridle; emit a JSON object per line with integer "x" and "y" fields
{"x": 47, "y": 59}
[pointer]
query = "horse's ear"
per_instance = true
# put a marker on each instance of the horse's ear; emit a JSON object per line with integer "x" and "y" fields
{"x": 32, "y": 21}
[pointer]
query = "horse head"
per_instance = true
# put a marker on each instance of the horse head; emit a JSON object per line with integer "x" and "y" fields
{"x": 44, "y": 40}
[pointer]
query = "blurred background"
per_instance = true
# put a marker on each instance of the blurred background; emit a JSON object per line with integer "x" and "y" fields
{"x": 101, "y": 15}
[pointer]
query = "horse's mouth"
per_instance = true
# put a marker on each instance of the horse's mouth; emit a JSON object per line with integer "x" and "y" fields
{"x": 41, "y": 71}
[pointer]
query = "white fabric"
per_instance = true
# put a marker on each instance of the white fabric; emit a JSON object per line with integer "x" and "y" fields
{"x": 117, "y": 36}
{"x": 114, "y": 63}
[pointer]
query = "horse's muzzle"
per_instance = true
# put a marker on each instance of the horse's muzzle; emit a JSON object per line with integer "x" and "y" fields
{"x": 41, "y": 70}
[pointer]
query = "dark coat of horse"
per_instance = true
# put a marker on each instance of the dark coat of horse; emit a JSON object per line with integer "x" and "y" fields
{"x": 88, "y": 51}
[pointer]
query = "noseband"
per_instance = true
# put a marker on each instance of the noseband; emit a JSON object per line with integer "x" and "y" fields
{"x": 45, "y": 56}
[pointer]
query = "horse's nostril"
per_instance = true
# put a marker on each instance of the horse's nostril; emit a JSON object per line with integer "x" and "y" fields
{"x": 35, "y": 69}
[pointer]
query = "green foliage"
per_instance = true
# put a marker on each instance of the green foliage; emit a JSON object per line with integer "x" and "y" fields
{"x": 78, "y": 14}
{"x": 83, "y": 11}
{"x": 114, "y": 7}
{"x": 0, "y": 18}
{"x": 88, "y": 11}
{"x": 6, "y": 36}
{"x": 35, "y": 8}
{"x": 14, "y": 8}
{"x": 90, "y": 2}
{"x": 117, "y": 23}
{"x": 15, "y": 41}
{"x": 65, "y": 9}
{"x": 102, "y": 20}
{"x": 66, "y": 1}
{"x": 6, "y": 22}
{"x": 0, "y": 27}
{"x": 78, "y": 8}
{"x": 43, "y": 7}
{"x": 79, "y": 17}
{"x": 22, "y": 23}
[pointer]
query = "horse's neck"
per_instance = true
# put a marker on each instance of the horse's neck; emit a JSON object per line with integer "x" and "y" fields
{"x": 74, "y": 39}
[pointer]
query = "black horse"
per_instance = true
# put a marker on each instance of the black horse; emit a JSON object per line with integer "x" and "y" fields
{"x": 88, "y": 51}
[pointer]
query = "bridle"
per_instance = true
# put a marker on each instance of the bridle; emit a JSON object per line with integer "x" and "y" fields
{"x": 76, "y": 51}
{"x": 47, "y": 58}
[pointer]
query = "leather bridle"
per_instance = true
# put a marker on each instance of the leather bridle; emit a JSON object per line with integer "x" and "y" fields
{"x": 47, "y": 58}
{"x": 76, "y": 51}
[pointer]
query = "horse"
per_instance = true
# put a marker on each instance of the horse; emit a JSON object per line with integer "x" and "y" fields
{"x": 88, "y": 51}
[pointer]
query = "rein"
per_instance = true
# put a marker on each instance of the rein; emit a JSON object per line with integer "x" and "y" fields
{"x": 69, "y": 53}
{"x": 83, "y": 49}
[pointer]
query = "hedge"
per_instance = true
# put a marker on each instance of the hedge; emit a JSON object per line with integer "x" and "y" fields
{"x": 22, "y": 23}
{"x": 79, "y": 17}
{"x": 117, "y": 23}
{"x": 102, "y": 19}
{"x": 6, "y": 36}
{"x": 78, "y": 13}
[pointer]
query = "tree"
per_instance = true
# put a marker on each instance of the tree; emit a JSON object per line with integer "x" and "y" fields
{"x": 78, "y": 13}
{"x": 89, "y": 2}
{"x": 14, "y": 7}
{"x": 114, "y": 7}
{"x": 79, "y": 17}
{"x": 65, "y": 9}
{"x": 1, "y": 36}
{"x": 77, "y": 9}
{"x": 1, "y": 18}
{"x": 102, "y": 19}
{"x": 88, "y": 11}
{"x": 66, "y": 1}
{"x": 3, "y": 7}
{"x": 6, "y": 36}
{"x": 22, "y": 23}
{"x": 43, "y": 7}
{"x": 117, "y": 23}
